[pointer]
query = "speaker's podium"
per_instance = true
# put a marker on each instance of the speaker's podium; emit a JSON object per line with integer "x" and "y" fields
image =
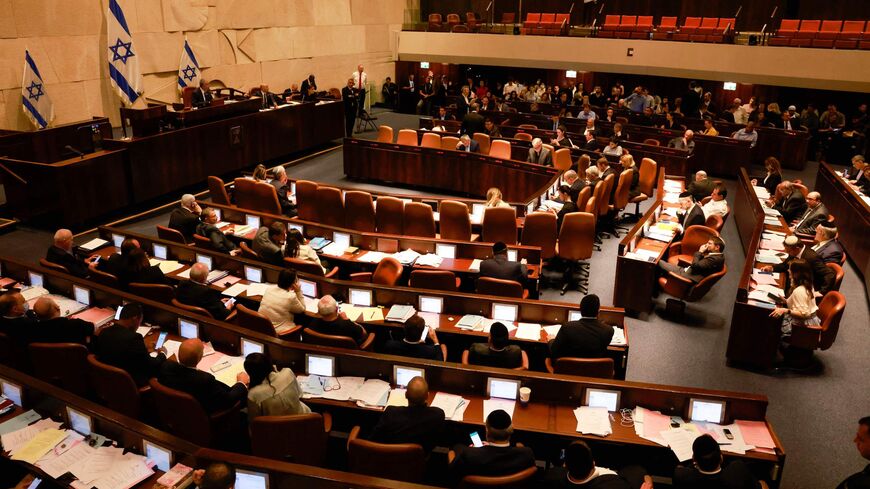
{"x": 143, "y": 122}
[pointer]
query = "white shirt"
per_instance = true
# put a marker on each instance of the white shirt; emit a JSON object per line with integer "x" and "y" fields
{"x": 597, "y": 472}
{"x": 801, "y": 302}
{"x": 356, "y": 79}
{"x": 817, "y": 247}
{"x": 719, "y": 207}
{"x": 279, "y": 305}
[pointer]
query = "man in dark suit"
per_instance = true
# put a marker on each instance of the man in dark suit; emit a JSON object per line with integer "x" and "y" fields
{"x": 121, "y": 346}
{"x": 219, "y": 241}
{"x": 211, "y": 393}
{"x": 581, "y": 472}
{"x": 860, "y": 480}
{"x": 707, "y": 471}
{"x": 15, "y": 319}
{"x": 709, "y": 259}
{"x": 823, "y": 277}
{"x": 856, "y": 171}
{"x": 786, "y": 122}
{"x": 117, "y": 263}
{"x": 351, "y": 106}
{"x": 826, "y": 246}
{"x": 467, "y": 144}
{"x": 472, "y": 123}
{"x": 269, "y": 241}
{"x": 701, "y": 186}
{"x": 202, "y": 96}
{"x": 282, "y": 188}
{"x": 52, "y": 328}
{"x": 586, "y": 338}
{"x": 690, "y": 213}
{"x": 499, "y": 267}
{"x": 692, "y": 101}
{"x": 793, "y": 204}
{"x": 417, "y": 423}
{"x": 443, "y": 115}
{"x": 185, "y": 218}
{"x": 390, "y": 93}
{"x": 415, "y": 344}
{"x": 815, "y": 214}
{"x": 497, "y": 457}
{"x": 61, "y": 254}
{"x": 196, "y": 292}
{"x": 619, "y": 134}
{"x": 539, "y": 154}
{"x": 591, "y": 143}
{"x": 604, "y": 169}
{"x": 333, "y": 322}
{"x": 268, "y": 99}
{"x": 308, "y": 88}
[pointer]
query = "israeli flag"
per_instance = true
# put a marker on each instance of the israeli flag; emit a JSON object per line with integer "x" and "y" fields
{"x": 188, "y": 68}
{"x": 123, "y": 61}
{"x": 35, "y": 102}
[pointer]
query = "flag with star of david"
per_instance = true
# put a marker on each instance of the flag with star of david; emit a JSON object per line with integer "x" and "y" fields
{"x": 35, "y": 102}
{"x": 188, "y": 68}
{"x": 122, "y": 55}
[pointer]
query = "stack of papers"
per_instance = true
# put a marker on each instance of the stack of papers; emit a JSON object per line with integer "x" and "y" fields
{"x": 618, "y": 336}
{"x": 761, "y": 193}
{"x": 110, "y": 468}
{"x": 772, "y": 244}
{"x": 475, "y": 265}
{"x": 372, "y": 257}
{"x": 397, "y": 398}
{"x": 769, "y": 256}
{"x": 432, "y": 319}
{"x": 334, "y": 249}
{"x": 755, "y": 433}
{"x": 310, "y": 304}
{"x": 552, "y": 204}
{"x": 528, "y": 331}
{"x": 94, "y": 244}
{"x": 770, "y": 211}
{"x": 495, "y": 403}
{"x": 680, "y": 440}
{"x": 593, "y": 421}
{"x": 772, "y": 221}
{"x": 334, "y": 388}
{"x": 469, "y": 321}
{"x": 166, "y": 266}
{"x": 17, "y": 438}
{"x": 637, "y": 256}
{"x": 257, "y": 289}
{"x": 400, "y": 314}
{"x": 452, "y": 405}
{"x": 373, "y": 393}
{"x": 215, "y": 275}
{"x": 31, "y": 293}
{"x": 650, "y": 424}
{"x": 429, "y": 260}
{"x": 406, "y": 257}
{"x": 39, "y": 445}
{"x": 235, "y": 290}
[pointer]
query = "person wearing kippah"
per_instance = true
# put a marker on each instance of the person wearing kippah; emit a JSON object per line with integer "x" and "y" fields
{"x": 499, "y": 267}
{"x": 707, "y": 472}
{"x": 498, "y": 352}
{"x": 496, "y": 457}
{"x": 580, "y": 471}
{"x": 823, "y": 276}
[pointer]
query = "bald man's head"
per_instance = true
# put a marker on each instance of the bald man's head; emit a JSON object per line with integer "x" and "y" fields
{"x": 63, "y": 239}
{"x": 46, "y": 308}
{"x": 417, "y": 392}
{"x": 190, "y": 352}
{"x": 199, "y": 272}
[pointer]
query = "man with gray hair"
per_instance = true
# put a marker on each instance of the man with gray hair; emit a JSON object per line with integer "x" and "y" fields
{"x": 60, "y": 253}
{"x": 333, "y": 322}
{"x": 208, "y": 228}
{"x": 467, "y": 144}
{"x": 185, "y": 218}
{"x": 827, "y": 246}
{"x": 269, "y": 242}
{"x": 282, "y": 188}
{"x": 815, "y": 214}
{"x": 196, "y": 292}
{"x": 686, "y": 143}
{"x": 539, "y": 154}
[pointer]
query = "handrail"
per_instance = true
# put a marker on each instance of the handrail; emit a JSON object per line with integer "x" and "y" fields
{"x": 15, "y": 175}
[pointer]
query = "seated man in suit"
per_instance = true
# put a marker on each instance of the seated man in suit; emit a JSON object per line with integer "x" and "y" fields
{"x": 417, "y": 423}
{"x": 269, "y": 99}
{"x": 15, "y": 319}
{"x": 121, "y": 346}
{"x": 332, "y": 322}
{"x": 792, "y": 203}
{"x": 219, "y": 241}
{"x": 443, "y": 115}
{"x": 196, "y": 292}
{"x": 580, "y": 472}
{"x": 686, "y": 143}
{"x": 185, "y": 218}
{"x": 618, "y": 134}
{"x": 823, "y": 276}
{"x": 497, "y": 352}
{"x": 202, "y": 96}
{"x": 61, "y": 254}
{"x": 827, "y": 246}
{"x": 586, "y": 338}
{"x": 591, "y": 144}
{"x": 690, "y": 213}
{"x": 282, "y": 188}
{"x": 701, "y": 186}
{"x": 467, "y": 144}
{"x": 815, "y": 214}
{"x": 862, "y": 443}
{"x": 499, "y": 267}
{"x": 709, "y": 259}
{"x": 539, "y": 154}
{"x": 52, "y": 328}
{"x": 855, "y": 171}
{"x": 496, "y": 457}
{"x": 117, "y": 263}
{"x": 414, "y": 344}
{"x": 707, "y": 471}
{"x": 269, "y": 241}
{"x": 211, "y": 393}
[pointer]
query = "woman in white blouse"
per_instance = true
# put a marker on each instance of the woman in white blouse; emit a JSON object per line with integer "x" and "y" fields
{"x": 282, "y": 301}
{"x": 493, "y": 198}
{"x": 801, "y": 309}
{"x": 297, "y": 247}
{"x": 273, "y": 392}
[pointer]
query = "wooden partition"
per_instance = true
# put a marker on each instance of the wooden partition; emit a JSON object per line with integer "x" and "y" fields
{"x": 852, "y": 215}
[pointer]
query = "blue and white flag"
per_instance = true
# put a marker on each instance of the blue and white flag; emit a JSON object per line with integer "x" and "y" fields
{"x": 123, "y": 61}
{"x": 188, "y": 68}
{"x": 35, "y": 102}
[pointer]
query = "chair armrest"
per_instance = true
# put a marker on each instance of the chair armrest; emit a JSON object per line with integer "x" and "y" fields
{"x": 525, "y": 364}
{"x": 443, "y": 351}
{"x": 450, "y": 456}
{"x": 678, "y": 286}
{"x": 367, "y": 344}
{"x": 327, "y": 421}
{"x": 353, "y": 435}
{"x": 675, "y": 248}
{"x": 549, "y": 364}
{"x": 465, "y": 357}
{"x": 684, "y": 263}
{"x": 221, "y": 415}
{"x": 331, "y": 273}
{"x": 144, "y": 390}
{"x": 361, "y": 277}
{"x": 231, "y": 316}
{"x": 292, "y": 331}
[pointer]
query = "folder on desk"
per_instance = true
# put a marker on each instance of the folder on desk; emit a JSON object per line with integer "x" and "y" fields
{"x": 94, "y": 244}
{"x": 98, "y": 316}
{"x": 469, "y": 321}
{"x": 318, "y": 243}
{"x": 400, "y": 313}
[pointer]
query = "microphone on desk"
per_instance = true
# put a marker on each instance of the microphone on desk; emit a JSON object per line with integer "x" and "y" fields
{"x": 70, "y": 148}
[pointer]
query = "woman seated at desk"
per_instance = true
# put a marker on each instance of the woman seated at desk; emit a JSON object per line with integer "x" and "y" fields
{"x": 493, "y": 198}
{"x": 139, "y": 270}
{"x": 297, "y": 247}
{"x": 613, "y": 148}
{"x": 561, "y": 140}
{"x": 273, "y": 392}
{"x": 800, "y": 311}
{"x": 772, "y": 176}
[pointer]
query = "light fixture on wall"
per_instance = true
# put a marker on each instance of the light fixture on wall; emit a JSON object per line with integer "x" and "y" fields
{"x": 729, "y": 86}
{"x": 570, "y": 74}
{"x": 424, "y": 65}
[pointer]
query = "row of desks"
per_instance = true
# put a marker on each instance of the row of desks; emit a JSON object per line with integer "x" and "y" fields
{"x": 546, "y": 424}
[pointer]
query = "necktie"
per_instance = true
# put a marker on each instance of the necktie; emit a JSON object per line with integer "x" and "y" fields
{"x": 360, "y": 81}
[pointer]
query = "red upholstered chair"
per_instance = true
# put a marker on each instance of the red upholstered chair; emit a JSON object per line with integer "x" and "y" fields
{"x": 708, "y": 25}
{"x": 309, "y": 267}
{"x": 404, "y": 462}
{"x": 194, "y": 309}
{"x": 849, "y": 34}
{"x": 690, "y": 26}
{"x": 306, "y": 200}
{"x": 666, "y": 28}
{"x": 435, "y": 24}
{"x": 104, "y": 278}
{"x": 643, "y": 27}
{"x": 532, "y": 20}
{"x": 264, "y": 199}
{"x": 315, "y": 338}
{"x": 407, "y": 137}
{"x": 431, "y": 140}
{"x": 540, "y": 230}
{"x": 715, "y": 222}
{"x": 449, "y": 142}
{"x": 502, "y": 288}
{"x": 560, "y": 26}
{"x": 115, "y": 388}
{"x": 330, "y": 206}
{"x": 359, "y": 211}
{"x": 52, "y": 266}
{"x": 484, "y": 142}
{"x": 218, "y": 191}
{"x": 187, "y": 97}
{"x": 500, "y": 224}
{"x": 508, "y": 17}
{"x": 583, "y": 197}
{"x": 600, "y": 368}
{"x": 562, "y": 159}
{"x": 434, "y": 279}
{"x": 254, "y": 321}
{"x": 804, "y": 36}
{"x": 243, "y": 190}
{"x": 610, "y": 26}
{"x": 389, "y": 215}
{"x": 499, "y": 148}
{"x": 787, "y": 30}
{"x": 828, "y": 32}
{"x": 838, "y": 275}
{"x": 723, "y": 31}
{"x": 419, "y": 220}
{"x": 804, "y": 340}
{"x": 202, "y": 242}
{"x": 156, "y": 292}
{"x": 388, "y": 272}
{"x": 298, "y": 439}
{"x": 523, "y": 136}
{"x": 576, "y": 242}
{"x": 684, "y": 290}
{"x": 626, "y": 26}
{"x": 693, "y": 238}
{"x": 516, "y": 480}
{"x": 864, "y": 43}
{"x": 385, "y": 134}
{"x": 454, "y": 220}
{"x": 453, "y": 20}
{"x": 170, "y": 234}
{"x": 182, "y": 415}
{"x": 62, "y": 364}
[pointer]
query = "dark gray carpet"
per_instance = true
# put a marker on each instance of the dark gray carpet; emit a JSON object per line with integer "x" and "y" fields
{"x": 814, "y": 416}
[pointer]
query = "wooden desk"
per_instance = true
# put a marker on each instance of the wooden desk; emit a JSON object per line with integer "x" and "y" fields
{"x": 852, "y": 215}
{"x": 636, "y": 280}
{"x": 552, "y": 394}
{"x": 754, "y": 336}
{"x": 49, "y": 145}
{"x": 455, "y": 171}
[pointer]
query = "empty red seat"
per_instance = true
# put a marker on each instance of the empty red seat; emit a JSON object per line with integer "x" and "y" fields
{"x": 708, "y": 25}
{"x": 788, "y": 27}
{"x": 828, "y": 33}
{"x": 547, "y": 20}
{"x": 643, "y": 27}
{"x": 562, "y": 23}
{"x": 532, "y": 20}
{"x": 627, "y": 24}
{"x": 690, "y": 26}
{"x": 809, "y": 29}
{"x": 864, "y": 43}
{"x": 666, "y": 28}
{"x": 610, "y": 26}
{"x": 723, "y": 30}
{"x": 849, "y": 34}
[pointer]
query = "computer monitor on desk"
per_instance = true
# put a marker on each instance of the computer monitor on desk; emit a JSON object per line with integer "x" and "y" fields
{"x": 246, "y": 479}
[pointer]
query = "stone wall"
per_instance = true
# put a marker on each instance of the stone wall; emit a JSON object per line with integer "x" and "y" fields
{"x": 238, "y": 43}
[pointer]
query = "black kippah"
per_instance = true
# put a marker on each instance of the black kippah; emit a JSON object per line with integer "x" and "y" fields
{"x": 499, "y": 420}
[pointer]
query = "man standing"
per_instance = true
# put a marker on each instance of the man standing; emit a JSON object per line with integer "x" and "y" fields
{"x": 309, "y": 88}
{"x": 861, "y": 480}
{"x": 690, "y": 213}
{"x": 539, "y": 154}
{"x": 360, "y": 78}
{"x": 426, "y": 91}
{"x": 351, "y": 103}
{"x": 472, "y": 123}
{"x": 390, "y": 92}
